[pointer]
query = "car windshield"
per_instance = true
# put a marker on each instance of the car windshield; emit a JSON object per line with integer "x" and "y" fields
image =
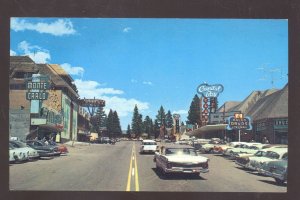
{"x": 149, "y": 143}
{"x": 260, "y": 153}
{"x": 179, "y": 151}
{"x": 271, "y": 154}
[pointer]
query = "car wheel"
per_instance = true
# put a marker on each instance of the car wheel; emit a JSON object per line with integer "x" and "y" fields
{"x": 278, "y": 181}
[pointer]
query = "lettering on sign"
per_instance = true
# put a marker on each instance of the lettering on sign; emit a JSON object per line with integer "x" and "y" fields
{"x": 36, "y": 95}
{"x": 37, "y": 85}
{"x": 239, "y": 123}
{"x": 209, "y": 91}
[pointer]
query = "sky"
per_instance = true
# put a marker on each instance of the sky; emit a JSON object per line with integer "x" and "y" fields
{"x": 158, "y": 62}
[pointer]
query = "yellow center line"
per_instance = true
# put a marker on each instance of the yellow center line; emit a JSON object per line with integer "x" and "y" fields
{"x": 129, "y": 173}
{"x": 133, "y": 171}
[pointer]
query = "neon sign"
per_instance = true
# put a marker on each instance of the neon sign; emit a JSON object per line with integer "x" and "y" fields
{"x": 209, "y": 91}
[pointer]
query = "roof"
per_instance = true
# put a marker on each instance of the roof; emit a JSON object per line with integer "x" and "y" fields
{"x": 274, "y": 105}
{"x": 228, "y": 106}
{"x": 148, "y": 141}
{"x": 23, "y": 64}
{"x": 207, "y": 128}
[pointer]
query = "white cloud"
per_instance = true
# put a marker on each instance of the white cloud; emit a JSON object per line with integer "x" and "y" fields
{"x": 72, "y": 70}
{"x": 181, "y": 112}
{"x": 58, "y": 28}
{"x": 147, "y": 83}
{"x": 12, "y": 53}
{"x": 36, "y": 53}
{"x": 91, "y": 89}
{"x": 127, "y": 29}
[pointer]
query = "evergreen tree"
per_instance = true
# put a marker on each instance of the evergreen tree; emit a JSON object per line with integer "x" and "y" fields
{"x": 148, "y": 126}
{"x": 101, "y": 118}
{"x": 156, "y": 128}
{"x": 110, "y": 123}
{"x": 137, "y": 122}
{"x": 161, "y": 117}
{"x": 194, "y": 112}
{"x": 117, "y": 131}
{"x": 169, "y": 120}
{"x": 128, "y": 132}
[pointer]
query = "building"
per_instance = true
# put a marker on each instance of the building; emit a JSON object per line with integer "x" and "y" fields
{"x": 38, "y": 116}
{"x": 268, "y": 111}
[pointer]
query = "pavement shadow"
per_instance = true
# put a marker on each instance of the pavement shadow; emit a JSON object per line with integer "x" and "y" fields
{"x": 178, "y": 176}
{"x": 274, "y": 183}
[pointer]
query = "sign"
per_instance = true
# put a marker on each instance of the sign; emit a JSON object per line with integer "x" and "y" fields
{"x": 209, "y": 91}
{"x": 239, "y": 123}
{"x": 36, "y": 95}
{"x": 176, "y": 116}
{"x": 37, "y": 85}
{"x": 38, "y": 121}
{"x": 280, "y": 123}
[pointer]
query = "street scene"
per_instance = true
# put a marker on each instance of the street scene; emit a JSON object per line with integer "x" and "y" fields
{"x": 189, "y": 105}
{"x": 88, "y": 168}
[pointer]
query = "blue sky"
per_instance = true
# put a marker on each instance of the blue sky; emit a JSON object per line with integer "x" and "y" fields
{"x": 154, "y": 62}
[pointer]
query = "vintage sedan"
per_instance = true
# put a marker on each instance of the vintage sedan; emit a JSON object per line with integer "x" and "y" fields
{"x": 43, "y": 149}
{"x": 277, "y": 169}
{"x": 32, "y": 153}
{"x": 60, "y": 147}
{"x": 180, "y": 159}
{"x": 17, "y": 155}
{"x": 245, "y": 160}
{"x": 271, "y": 155}
{"x": 148, "y": 146}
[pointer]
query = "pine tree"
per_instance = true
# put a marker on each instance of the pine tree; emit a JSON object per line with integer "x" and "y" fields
{"x": 110, "y": 123}
{"x": 161, "y": 117}
{"x": 169, "y": 120}
{"x": 128, "y": 132}
{"x": 194, "y": 112}
{"x": 101, "y": 118}
{"x": 116, "y": 125}
{"x": 148, "y": 126}
{"x": 137, "y": 122}
{"x": 156, "y": 128}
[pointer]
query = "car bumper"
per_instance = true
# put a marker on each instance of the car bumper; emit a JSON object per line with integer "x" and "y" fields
{"x": 185, "y": 170}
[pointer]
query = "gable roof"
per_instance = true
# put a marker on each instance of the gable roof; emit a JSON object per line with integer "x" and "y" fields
{"x": 274, "y": 105}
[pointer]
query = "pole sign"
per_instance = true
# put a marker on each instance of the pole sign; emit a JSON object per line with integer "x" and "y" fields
{"x": 209, "y": 91}
{"x": 37, "y": 88}
{"x": 36, "y": 95}
{"x": 238, "y": 121}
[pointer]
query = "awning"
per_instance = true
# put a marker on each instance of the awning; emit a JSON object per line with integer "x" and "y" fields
{"x": 206, "y": 129}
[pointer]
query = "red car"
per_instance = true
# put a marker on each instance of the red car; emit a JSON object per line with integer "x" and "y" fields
{"x": 61, "y": 147}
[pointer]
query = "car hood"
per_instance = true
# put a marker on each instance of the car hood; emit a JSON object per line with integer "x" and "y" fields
{"x": 261, "y": 159}
{"x": 186, "y": 158}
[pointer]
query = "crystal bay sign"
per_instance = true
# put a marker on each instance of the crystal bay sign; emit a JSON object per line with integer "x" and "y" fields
{"x": 209, "y": 91}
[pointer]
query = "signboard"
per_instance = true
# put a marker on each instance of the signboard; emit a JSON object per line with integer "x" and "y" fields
{"x": 37, "y": 85}
{"x": 209, "y": 91}
{"x": 36, "y": 95}
{"x": 239, "y": 123}
{"x": 280, "y": 123}
{"x": 38, "y": 121}
{"x": 176, "y": 116}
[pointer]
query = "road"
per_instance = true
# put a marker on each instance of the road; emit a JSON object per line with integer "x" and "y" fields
{"x": 120, "y": 167}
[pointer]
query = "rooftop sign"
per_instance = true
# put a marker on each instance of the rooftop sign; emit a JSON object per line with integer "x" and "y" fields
{"x": 209, "y": 91}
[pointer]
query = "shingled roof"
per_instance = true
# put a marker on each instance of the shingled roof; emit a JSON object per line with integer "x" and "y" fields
{"x": 251, "y": 100}
{"x": 228, "y": 106}
{"x": 274, "y": 105}
{"x": 23, "y": 64}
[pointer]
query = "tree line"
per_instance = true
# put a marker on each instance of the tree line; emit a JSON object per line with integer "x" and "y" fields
{"x": 110, "y": 124}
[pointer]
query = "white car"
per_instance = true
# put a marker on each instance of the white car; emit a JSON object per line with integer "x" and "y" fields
{"x": 272, "y": 154}
{"x": 32, "y": 153}
{"x": 148, "y": 146}
{"x": 17, "y": 155}
{"x": 180, "y": 159}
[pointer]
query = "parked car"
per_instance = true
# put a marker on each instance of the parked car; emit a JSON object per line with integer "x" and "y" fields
{"x": 43, "y": 149}
{"x": 277, "y": 169}
{"x": 60, "y": 147}
{"x": 148, "y": 146}
{"x": 271, "y": 155}
{"x": 17, "y": 155}
{"x": 244, "y": 160}
{"x": 32, "y": 153}
{"x": 180, "y": 159}
{"x": 105, "y": 140}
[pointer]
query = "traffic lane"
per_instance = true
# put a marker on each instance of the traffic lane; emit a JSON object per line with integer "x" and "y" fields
{"x": 153, "y": 180}
{"x": 224, "y": 176}
{"x": 98, "y": 167}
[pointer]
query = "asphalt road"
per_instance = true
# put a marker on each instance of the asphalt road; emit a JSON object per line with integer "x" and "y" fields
{"x": 120, "y": 167}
